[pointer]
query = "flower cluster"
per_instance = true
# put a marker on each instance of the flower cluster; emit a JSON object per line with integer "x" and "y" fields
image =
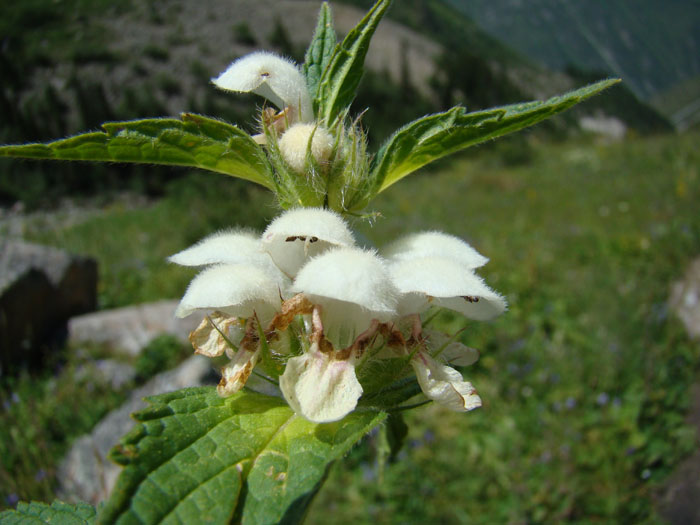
{"x": 315, "y": 310}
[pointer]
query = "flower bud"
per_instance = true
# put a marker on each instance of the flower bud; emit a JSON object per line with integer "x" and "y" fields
{"x": 294, "y": 145}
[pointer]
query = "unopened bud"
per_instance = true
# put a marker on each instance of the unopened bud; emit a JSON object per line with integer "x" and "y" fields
{"x": 295, "y": 142}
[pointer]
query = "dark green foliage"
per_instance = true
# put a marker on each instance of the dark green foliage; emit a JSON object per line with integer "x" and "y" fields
{"x": 338, "y": 84}
{"x": 57, "y": 513}
{"x": 193, "y": 141}
{"x": 196, "y": 457}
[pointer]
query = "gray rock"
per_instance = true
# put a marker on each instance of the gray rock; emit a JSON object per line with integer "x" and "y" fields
{"x": 685, "y": 300}
{"x": 131, "y": 328}
{"x": 85, "y": 474}
{"x": 40, "y": 288}
{"x": 108, "y": 371}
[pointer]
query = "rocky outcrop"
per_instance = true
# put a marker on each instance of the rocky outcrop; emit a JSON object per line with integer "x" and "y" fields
{"x": 40, "y": 288}
{"x": 131, "y": 328}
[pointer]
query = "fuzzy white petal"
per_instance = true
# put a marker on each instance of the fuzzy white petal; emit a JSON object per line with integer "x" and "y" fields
{"x": 353, "y": 287}
{"x": 271, "y": 76}
{"x": 228, "y": 247}
{"x": 428, "y": 244}
{"x": 444, "y": 385}
{"x": 299, "y": 234}
{"x": 319, "y": 387}
{"x": 237, "y": 290}
{"x": 231, "y": 248}
{"x": 235, "y": 374}
{"x": 444, "y": 282}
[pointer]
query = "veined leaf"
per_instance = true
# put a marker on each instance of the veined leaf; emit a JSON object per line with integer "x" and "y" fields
{"x": 195, "y": 141}
{"x": 340, "y": 79}
{"x": 435, "y": 136}
{"x": 198, "y": 458}
{"x": 35, "y": 513}
{"x": 319, "y": 53}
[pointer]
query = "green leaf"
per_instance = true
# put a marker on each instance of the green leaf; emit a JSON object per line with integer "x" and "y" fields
{"x": 35, "y": 513}
{"x": 319, "y": 53}
{"x": 396, "y": 433}
{"x": 194, "y": 141}
{"x": 198, "y": 458}
{"x": 435, "y": 136}
{"x": 340, "y": 79}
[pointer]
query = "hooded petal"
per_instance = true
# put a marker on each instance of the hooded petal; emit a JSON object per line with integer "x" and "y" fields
{"x": 237, "y": 290}
{"x": 230, "y": 247}
{"x": 444, "y": 385}
{"x": 434, "y": 244}
{"x": 236, "y": 373}
{"x": 353, "y": 287}
{"x": 295, "y": 236}
{"x": 270, "y": 76}
{"x": 444, "y": 282}
{"x": 320, "y": 387}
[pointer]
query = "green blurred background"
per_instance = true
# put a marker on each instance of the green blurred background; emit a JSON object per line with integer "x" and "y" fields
{"x": 586, "y": 380}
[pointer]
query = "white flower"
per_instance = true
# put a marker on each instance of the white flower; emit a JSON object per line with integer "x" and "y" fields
{"x": 346, "y": 305}
{"x": 273, "y": 77}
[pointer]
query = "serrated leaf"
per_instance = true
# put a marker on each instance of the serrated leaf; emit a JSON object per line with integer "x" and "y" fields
{"x": 340, "y": 79}
{"x": 435, "y": 136}
{"x": 319, "y": 52}
{"x": 198, "y": 458}
{"x": 194, "y": 141}
{"x": 36, "y": 513}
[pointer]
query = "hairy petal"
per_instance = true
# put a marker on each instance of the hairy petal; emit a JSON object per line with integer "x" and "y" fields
{"x": 270, "y": 76}
{"x": 299, "y": 234}
{"x": 444, "y": 385}
{"x": 227, "y": 247}
{"x": 353, "y": 287}
{"x": 434, "y": 243}
{"x": 319, "y": 387}
{"x": 237, "y": 290}
{"x": 445, "y": 283}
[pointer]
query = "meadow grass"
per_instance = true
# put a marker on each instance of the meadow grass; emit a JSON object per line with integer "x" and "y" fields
{"x": 584, "y": 379}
